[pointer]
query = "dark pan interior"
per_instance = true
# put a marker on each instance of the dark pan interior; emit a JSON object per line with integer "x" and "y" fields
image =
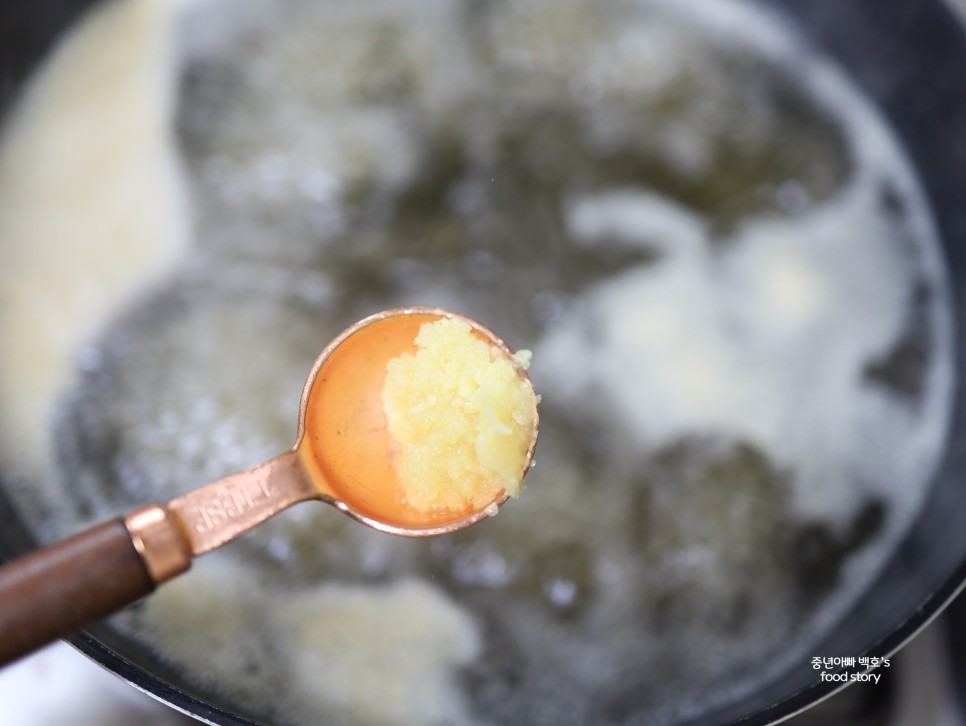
{"x": 903, "y": 55}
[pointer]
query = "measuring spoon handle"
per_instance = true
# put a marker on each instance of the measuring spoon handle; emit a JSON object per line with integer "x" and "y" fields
{"x": 57, "y": 590}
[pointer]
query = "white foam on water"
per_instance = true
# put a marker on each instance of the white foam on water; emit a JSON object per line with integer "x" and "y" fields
{"x": 368, "y": 653}
{"x": 92, "y": 211}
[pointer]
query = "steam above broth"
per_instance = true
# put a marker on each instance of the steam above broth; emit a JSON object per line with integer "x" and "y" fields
{"x": 714, "y": 247}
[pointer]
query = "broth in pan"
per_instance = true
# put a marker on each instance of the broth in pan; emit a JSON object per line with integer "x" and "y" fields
{"x": 711, "y": 242}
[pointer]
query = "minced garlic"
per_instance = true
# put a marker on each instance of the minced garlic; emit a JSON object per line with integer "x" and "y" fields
{"x": 463, "y": 418}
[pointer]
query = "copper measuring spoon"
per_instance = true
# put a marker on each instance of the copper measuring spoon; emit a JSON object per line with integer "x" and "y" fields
{"x": 341, "y": 456}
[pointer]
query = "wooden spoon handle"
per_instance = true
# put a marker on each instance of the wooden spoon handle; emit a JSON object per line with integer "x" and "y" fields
{"x": 55, "y": 591}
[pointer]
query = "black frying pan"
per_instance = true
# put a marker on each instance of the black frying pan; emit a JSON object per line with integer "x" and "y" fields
{"x": 909, "y": 57}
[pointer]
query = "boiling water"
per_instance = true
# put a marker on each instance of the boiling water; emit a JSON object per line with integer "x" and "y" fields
{"x": 711, "y": 243}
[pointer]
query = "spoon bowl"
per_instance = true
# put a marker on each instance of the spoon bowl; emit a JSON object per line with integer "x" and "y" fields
{"x": 344, "y": 442}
